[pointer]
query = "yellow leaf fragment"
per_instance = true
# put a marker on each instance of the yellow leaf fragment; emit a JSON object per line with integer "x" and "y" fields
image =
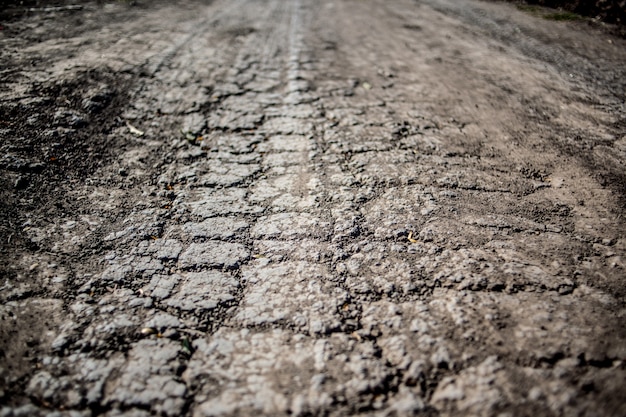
{"x": 411, "y": 238}
{"x": 148, "y": 331}
{"x": 134, "y": 130}
{"x": 356, "y": 336}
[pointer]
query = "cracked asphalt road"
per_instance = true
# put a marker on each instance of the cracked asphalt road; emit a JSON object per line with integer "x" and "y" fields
{"x": 311, "y": 208}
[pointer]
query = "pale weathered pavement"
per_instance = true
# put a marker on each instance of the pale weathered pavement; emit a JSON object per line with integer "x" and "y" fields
{"x": 335, "y": 208}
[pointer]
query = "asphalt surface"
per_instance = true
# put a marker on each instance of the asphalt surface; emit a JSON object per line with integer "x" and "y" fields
{"x": 312, "y": 208}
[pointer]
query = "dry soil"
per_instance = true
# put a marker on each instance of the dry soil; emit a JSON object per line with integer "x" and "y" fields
{"x": 339, "y": 207}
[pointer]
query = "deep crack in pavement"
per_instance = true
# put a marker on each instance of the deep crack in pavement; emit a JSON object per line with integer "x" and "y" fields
{"x": 311, "y": 208}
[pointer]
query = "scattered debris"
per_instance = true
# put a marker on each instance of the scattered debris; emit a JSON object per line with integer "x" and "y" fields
{"x": 186, "y": 346}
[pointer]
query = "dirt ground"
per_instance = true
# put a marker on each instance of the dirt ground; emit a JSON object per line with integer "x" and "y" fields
{"x": 341, "y": 207}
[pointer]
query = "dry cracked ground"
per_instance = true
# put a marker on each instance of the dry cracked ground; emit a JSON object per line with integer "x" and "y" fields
{"x": 334, "y": 207}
